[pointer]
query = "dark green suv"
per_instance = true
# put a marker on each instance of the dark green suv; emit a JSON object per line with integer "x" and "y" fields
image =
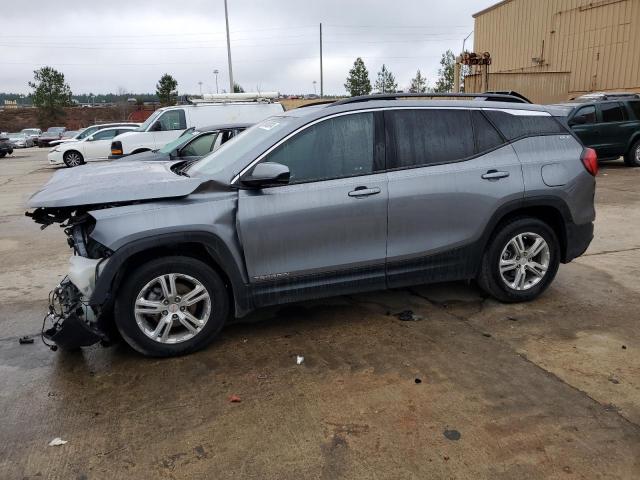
{"x": 610, "y": 124}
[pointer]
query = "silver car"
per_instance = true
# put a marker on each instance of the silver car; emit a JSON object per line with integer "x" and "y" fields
{"x": 20, "y": 140}
{"x": 362, "y": 194}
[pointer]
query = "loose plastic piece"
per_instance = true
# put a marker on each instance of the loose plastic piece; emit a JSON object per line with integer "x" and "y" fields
{"x": 299, "y": 359}
{"x": 56, "y": 442}
{"x": 24, "y": 340}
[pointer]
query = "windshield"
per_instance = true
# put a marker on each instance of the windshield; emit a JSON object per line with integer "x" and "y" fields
{"x": 55, "y": 130}
{"x": 149, "y": 121}
{"x": 171, "y": 146}
{"x": 239, "y": 146}
{"x": 30, "y": 131}
{"x": 16, "y": 135}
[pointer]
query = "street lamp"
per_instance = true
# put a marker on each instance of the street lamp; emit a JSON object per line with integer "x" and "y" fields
{"x": 200, "y": 84}
{"x": 216, "y": 72}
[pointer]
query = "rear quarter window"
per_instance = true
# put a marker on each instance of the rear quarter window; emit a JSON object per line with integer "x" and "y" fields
{"x": 635, "y": 108}
{"x": 518, "y": 126}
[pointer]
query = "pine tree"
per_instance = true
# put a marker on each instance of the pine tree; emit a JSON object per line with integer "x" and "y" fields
{"x": 166, "y": 89}
{"x": 237, "y": 88}
{"x": 418, "y": 83}
{"x": 445, "y": 81}
{"x": 50, "y": 93}
{"x": 386, "y": 82}
{"x": 358, "y": 80}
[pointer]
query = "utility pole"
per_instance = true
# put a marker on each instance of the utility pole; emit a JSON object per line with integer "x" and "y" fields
{"x": 200, "y": 84}
{"x": 216, "y": 72}
{"x": 226, "y": 19}
{"x": 321, "y": 77}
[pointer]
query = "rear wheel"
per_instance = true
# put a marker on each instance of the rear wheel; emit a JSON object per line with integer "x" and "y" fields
{"x": 632, "y": 158}
{"x": 73, "y": 158}
{"x": 171, "y": 306}
{"x": 521, "y": 260}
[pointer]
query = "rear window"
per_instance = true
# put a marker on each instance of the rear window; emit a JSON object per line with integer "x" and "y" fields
{"x": 427, "y": 137}
{"x": 612, "y": 112}
{"x": 524, "y": 125}
{"x": 635, "y": 108}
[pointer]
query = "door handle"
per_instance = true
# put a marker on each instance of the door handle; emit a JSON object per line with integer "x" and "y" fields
{"x": 495, "y": 175}
{"x": 360, "y": 192}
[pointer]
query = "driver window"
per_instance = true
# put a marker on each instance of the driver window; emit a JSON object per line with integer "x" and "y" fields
{"x": 334, "y": 148}
{"x": 199, "y": 147}
{"x": 172, "y": 120}
{"x": 585, "y": 115}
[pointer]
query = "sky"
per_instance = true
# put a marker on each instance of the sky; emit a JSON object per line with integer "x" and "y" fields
{"x": 126, "y": 45}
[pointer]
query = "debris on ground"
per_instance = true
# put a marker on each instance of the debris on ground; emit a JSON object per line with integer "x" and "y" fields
{"x": 624, "y": 347}
{"x": 488, "y": 335}
{"x": 299, "y": 359}
{"x": 513, "y": 319}
{"x": 418, "y": 380}
{"x": 613, "y": 380}
{"x": 56, "y": 442}
{"x": 234, "y": 399}
{"x": 25, "y": 340}
{"x": 407, "y": 316}
{"x": 452, "y": 435}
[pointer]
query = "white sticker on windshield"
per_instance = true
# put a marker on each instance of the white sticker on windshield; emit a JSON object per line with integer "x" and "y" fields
{"x": 269, "y": 125}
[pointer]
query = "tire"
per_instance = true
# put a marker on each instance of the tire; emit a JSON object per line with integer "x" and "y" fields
{"x": 159, "y": 329}
{"x": 503, "y": 252}
{"x": 632, "y": 157}
{"x": 2, "y": 155}
{"x": 73, "y": 158}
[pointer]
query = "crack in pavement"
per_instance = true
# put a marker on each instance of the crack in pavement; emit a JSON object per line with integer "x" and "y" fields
{"x": 466, "y": 321}
{"x": 606, "y": 252}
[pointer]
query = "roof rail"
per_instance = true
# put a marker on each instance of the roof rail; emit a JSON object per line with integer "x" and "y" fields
{"x": 394, "y": 96}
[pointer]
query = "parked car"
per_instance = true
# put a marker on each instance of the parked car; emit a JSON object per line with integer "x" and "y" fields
{"x": 193, "y": 144}
{"x": 52, "y": 133}
{"x": 610, "y": 127}
{"x": 167, "y": 124}
{"x": 357, "y": 195}
{"x": 92, "y": 129}
{"x": 34, "y": 133}
{"x": 20, "y": 140}
{"x": 92, "y": 148}
{"x": 5, "y": 146}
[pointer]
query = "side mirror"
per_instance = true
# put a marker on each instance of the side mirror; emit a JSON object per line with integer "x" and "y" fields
{"x": 90, "y": 139}
{"x": 156, "y": 127}
{"x": 267, "y": 174}
{"x": 578, "y": 121}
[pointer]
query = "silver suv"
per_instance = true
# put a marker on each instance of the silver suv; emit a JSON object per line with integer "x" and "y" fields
{"x": 362, "y": 194}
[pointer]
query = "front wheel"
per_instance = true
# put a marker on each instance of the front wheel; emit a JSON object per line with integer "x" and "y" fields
{"x": 171, "y": 306}
{"x": 632, "y": 158}
{"x": 73, "y": 159}
{"x": 521, "y": 260}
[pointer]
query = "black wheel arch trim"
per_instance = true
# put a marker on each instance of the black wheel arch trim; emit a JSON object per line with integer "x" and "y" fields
{"x": 109, "y": 278}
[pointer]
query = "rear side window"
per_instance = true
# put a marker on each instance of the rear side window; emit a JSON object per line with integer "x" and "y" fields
{"x": 105, "y": 135}
{"x": 334, "y": 148}
{"x": 428, "y": 136}
{"x": 487, "y": 137}
{"x": 517, "y": 126}
{"x": 612, "y": 112}
{"x": 635, "y": 108}
{"x": 585, "y": 115}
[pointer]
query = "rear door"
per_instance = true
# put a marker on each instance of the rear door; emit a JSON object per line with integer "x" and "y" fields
{"x": 444, "y": 186}
{"x": 615, "y": 129}
{"x": 328, "y": 227}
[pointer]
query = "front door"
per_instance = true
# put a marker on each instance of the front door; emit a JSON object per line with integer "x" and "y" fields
{"x": 444, "y": 186}
{"x": 98, "y": 146}
{"x": 330, "y": 222}
{"x": 168, "y": 127}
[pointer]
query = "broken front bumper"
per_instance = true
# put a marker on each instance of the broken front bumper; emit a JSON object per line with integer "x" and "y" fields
{"x": 70, "y": 322}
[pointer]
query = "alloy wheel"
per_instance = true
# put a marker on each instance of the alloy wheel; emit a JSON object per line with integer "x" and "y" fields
{"x": 524, "y": 261}
{"x": 172, "y": 308}
{"x": 73, "y": 159}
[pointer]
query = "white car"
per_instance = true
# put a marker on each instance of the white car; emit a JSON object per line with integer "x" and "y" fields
{"x": 92, "y": 148}
{"x": 85, "y": 132}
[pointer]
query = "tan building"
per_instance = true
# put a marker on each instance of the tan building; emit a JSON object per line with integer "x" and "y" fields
{"x": 553, "y": 50}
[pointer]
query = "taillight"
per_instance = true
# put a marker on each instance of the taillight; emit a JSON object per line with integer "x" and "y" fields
{"x": 590, "y": 161}
{"x": 116, "y": 148}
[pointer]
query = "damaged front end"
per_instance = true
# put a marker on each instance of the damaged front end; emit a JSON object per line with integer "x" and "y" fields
{"x": 71, "y": 322}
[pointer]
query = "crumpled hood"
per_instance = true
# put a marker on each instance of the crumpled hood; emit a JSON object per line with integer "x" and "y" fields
{"x": 110, "y": 183}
